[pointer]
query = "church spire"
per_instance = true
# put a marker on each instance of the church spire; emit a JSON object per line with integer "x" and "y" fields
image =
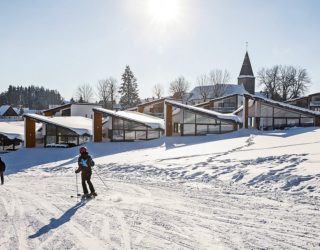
{"x": 246, "y": 77}
{"x": 246, "y": 69}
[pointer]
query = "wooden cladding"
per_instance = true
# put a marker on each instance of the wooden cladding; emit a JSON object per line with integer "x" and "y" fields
{"x": 168, "y": 120}
{"x": 246, "y": 111}
{"x": 140, "y": 109}
{"x": 48, "y": 113}
{"x": 317, "y": 121}
{"x": 30, "y": 133}
{"x": 97, "y": 127}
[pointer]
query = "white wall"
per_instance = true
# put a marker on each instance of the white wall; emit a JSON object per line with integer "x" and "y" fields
{"x": 83, "y": 110}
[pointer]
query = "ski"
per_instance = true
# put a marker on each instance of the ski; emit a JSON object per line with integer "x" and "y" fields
{"x": 74, "y": 196}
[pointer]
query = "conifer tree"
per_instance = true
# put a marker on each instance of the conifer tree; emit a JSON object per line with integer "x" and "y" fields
{"x": 129, "y": 90}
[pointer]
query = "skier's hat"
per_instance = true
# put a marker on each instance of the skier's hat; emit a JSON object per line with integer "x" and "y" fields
{"x": 83, "y": 150}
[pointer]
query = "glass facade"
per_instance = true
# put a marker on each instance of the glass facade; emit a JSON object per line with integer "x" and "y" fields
{"x": 198, "y": 124}
{"x": 268, "y": 117}
{"x": 58, "y": 135}
{"x": 124, "y": 130}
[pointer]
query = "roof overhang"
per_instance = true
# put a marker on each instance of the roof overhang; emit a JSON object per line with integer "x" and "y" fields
{"x": 146, "y": 120}
{"x": 206, "y": 112}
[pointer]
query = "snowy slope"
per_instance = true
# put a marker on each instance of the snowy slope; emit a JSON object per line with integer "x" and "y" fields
{"x": 242, "y": 190}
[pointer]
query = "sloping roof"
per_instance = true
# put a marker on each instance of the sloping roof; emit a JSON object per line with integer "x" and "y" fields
{"x": 302, "y": 97}
{"x": 4, "y": 109}
{"x": 284, "y": 105}
{"x": 215, "y": 99}
{"x": 78, "y": 124}
{"x": 246, "y": 69}
{"x": 12, "y": 130}
{"x": 148, "y": 120}
{"x": 207, "y": 112}
{"x": 213, "y": 90}
{"x": 58, "y": 108}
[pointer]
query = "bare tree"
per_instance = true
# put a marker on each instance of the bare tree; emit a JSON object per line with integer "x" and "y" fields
{"x": 269, "y": 78}
{"x": 157, "y": 90}
{"x": 84, "y": 93}
{"x": 179, "y": 87}
{"x": 106, "y": 92}
{"x": 301, "y": 83}
{"x": 103, "y": 92}
{"x": 283, "y": 82}
{"x": 219, "y": 78}
{"x": 113, "y": 90}
{"x": 204, "y": 89}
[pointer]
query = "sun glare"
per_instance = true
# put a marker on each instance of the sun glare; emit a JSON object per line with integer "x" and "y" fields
{"x": 164, "y": 11}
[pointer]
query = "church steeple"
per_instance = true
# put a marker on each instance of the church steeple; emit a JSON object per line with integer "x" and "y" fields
{"x": 246, "y": 69}
{"x": 246, "y": 77}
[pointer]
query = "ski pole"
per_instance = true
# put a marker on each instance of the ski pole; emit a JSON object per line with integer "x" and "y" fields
{"x": 100, "y": 178}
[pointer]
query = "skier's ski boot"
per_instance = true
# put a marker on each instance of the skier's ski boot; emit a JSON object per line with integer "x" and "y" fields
{"x": 94, "y": 194}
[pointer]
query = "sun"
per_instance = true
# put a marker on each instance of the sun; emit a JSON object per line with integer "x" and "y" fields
{"x": 164, "y": 11}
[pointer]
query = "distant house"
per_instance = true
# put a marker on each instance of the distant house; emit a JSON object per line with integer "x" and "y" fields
{"x": 224, "y": 104}
{"x": 196, "y": 96}
{"x": 125, "y": 125}
{"x": 311, "y": 102}
{"x": 8, "y": 112}
{"x": 11, "y": 135}
{"x": 56, "y": 131}
{"x": 72, "y": 109}
{"x": 183, "y": 119}
{"x": 266, "y": 114}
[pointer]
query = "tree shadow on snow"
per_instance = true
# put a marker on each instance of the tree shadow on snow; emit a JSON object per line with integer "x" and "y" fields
{"x": 55, "y": 223}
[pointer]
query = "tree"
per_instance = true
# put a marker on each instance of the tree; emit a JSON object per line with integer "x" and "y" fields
{"x": 157, "y": 90}
{"x": 282, "y": 82}
{"x": 179, "y": 87}
{"x": 32, "y": 97}
{"x": 84, "y": 93}
{"x": 204, "y": 89}
{"x": 219, "y": 79}
{"x": 106, "y": 91}
{"x": 129, "y": 89}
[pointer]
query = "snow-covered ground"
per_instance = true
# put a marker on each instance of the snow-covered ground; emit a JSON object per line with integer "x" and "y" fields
{"x": 243, "y": 190}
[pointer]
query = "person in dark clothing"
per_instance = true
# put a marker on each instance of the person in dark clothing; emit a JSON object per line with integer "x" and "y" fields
{"x": 84, "y": 166}
{"x": 2, "y": 169}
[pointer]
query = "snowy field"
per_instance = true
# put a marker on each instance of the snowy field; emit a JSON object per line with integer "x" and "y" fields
{"x": 243, "y": 190}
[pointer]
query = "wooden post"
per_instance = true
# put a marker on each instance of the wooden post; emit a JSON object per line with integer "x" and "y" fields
{"x": 168, "y": 119}
{"x": 48, "y": 113}
{"x": 30, "y": 133}
{"x": 246, "y": 111}
{"x": 97, "y": 127}
{"x": 140, "y": 109}
{"x": 317, "y": 121}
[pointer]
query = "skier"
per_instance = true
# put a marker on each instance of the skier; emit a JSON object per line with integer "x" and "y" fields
{"x": 2, "y": 169}
{"x": 84, "y": 163}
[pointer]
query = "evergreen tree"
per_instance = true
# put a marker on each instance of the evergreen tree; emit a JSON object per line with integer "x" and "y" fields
{"x": 129, "y": 90}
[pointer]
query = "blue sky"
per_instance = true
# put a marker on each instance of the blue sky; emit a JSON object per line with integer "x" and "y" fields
{"x": 64, "y": 43}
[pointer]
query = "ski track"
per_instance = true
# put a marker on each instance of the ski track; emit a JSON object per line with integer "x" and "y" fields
{"x": 143, "y": 213}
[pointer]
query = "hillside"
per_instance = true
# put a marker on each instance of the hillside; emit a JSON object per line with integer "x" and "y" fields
{"x": 247, "y": 189}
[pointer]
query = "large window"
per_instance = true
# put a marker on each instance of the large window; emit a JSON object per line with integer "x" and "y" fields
{"x": 198, "y": 124}
{"x": 58, "y": 135}
{"x": 125, "y": 130}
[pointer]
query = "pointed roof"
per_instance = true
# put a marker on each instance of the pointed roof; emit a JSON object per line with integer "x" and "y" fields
{"x": 246, "y": 69}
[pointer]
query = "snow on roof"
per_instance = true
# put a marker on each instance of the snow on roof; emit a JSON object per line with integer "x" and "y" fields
{"x": 12, "y": 130}
{"x": 226, "y": 117}
{"x": 213, "y": 91}
{"x": 148, "y": 120}
{"x": 78, "y": 124}
{"x": 215, "y": 99}
{"x": 284, "y": 105}
{"x": 3, "y": 109}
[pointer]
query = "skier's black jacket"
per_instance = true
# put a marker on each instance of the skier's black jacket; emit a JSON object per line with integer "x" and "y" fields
{"x": 2, "y": 166}
{"x": 84, "y": 164}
